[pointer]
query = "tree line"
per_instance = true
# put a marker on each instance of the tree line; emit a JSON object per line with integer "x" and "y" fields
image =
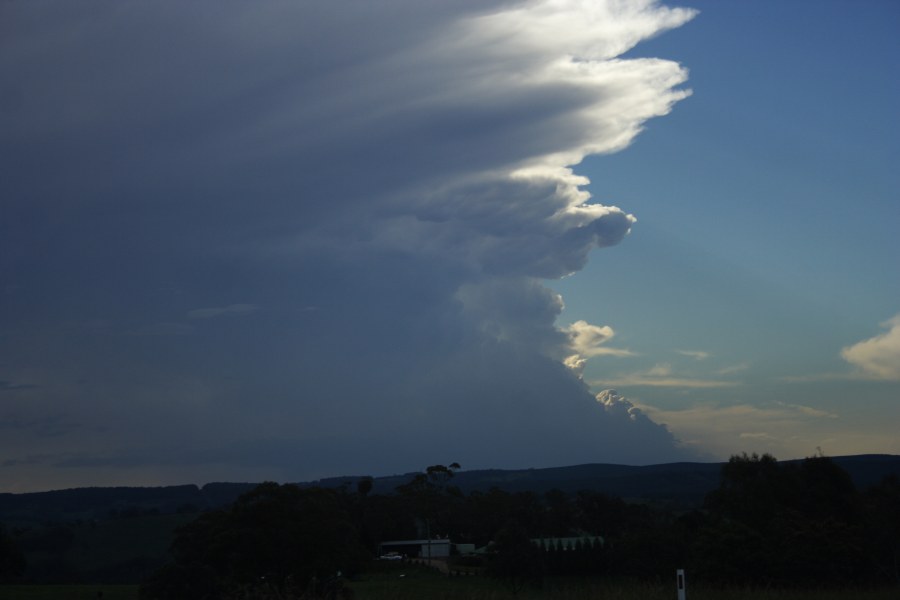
{"x": 767, "y": 524}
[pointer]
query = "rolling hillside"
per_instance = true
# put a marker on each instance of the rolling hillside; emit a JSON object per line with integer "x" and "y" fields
{"x": 678, "y": 485}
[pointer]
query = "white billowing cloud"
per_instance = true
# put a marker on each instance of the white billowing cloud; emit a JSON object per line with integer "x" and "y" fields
{"x": 592, "y": 30}
{"x": 618, "y": 405}
{"x": 573, "y": 45}
{"x": 587, "y": 341}
{"x": 878, "y": 356}
{"x": 407, "y": 168}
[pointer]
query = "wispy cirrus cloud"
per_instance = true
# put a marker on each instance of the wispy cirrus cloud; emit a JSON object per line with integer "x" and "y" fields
{"x": 695, "y": 354}
{"x": 830, "y": 376}
{"x": 662, "y": 375}
{"x": 733, "y": 369}
{"x": 783, "y": 429}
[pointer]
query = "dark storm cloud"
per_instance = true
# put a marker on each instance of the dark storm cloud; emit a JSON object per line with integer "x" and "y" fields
{"x": 222, "y": 311}
{"x": 391, "y": 183}
{"x": 9, "y": 386}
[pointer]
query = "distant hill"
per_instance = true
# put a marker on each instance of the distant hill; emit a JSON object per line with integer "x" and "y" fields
{"x": 678, "y": 485}
{"x": 98, "y": 503}
{"x": 675, "y": 485}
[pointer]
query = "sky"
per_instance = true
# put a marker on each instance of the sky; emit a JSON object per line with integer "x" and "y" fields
{"x": 292, "y": 240}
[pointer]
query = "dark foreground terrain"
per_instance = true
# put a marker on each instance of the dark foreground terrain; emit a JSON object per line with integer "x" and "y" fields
{"x": 794, "y": 529}
{"x": 420, "y": 583}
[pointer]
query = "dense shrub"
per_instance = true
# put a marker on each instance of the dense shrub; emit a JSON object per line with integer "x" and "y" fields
{"x": 277, "y": 538}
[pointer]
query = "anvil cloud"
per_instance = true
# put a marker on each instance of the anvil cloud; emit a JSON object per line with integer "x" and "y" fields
{"x": 286, "y": 240}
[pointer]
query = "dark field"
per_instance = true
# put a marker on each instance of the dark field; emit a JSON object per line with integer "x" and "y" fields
{"x": 120, "y": 550}
{"x": 68, "y": 592}
{"x": 769, "y": 531}
{"x": 418, "y": 583}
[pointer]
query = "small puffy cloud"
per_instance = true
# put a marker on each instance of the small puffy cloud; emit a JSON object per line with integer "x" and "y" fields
{"x": 879, "y": 356}
{"x": 587, "y": 338}
{"x": 587, "y": 341}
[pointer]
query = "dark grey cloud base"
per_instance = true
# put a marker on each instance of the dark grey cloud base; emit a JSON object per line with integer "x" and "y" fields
{"x": 291, "y": 240}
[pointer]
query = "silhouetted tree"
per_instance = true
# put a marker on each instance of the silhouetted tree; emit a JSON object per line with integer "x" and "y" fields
{"x": 882, "y": 528}
{"x": 386, "y": 518}
{"x": 559, "y": 515}
{"x": 12, "y": 561}
{"x": 782, "y": 524}
{"x": 752, "y": 490}
{"x": 487, "y": 512}
{"x": 276, "y": 537}
{"x": 427, "y": 493}
{"x": 364, "y": 486}
{"x": 514, "y": 559}
{"x": 826, "y": 491}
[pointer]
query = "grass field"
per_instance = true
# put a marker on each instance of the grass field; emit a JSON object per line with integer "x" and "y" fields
{"x": 418, "y": 583}
{"x": 114, "y": 550}
{"x": 406, "y": 582}
{"x": 68, "y": 592}
{"x": 113, "y": 541}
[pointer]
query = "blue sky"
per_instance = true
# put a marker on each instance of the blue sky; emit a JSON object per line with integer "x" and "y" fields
{"x": 766, "y": 235}
{"x": 290, "y": 240}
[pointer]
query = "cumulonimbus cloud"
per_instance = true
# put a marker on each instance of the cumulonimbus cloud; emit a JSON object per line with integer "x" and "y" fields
{"x": 222, "y": 311}
{"x": 407, "y": 168}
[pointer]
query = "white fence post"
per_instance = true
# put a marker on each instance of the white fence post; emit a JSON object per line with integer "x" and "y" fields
{"x": 679, "y": 581}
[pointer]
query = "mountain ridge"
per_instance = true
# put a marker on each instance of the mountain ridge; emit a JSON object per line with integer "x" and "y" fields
{"x": 679, "y": 485}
